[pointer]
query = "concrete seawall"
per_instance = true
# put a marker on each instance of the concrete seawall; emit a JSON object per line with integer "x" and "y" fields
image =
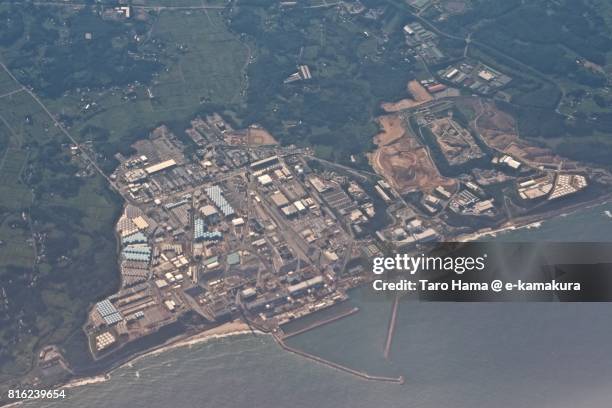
{"x": 322, "y": 322}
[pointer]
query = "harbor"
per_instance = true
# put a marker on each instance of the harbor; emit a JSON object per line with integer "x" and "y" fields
{"x": 318, "y": 320}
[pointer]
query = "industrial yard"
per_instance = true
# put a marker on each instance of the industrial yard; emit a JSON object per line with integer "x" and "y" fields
{"x": 232, "y": 231}
{"x": 234, "y": 228}
{"x": 446, "y": 173}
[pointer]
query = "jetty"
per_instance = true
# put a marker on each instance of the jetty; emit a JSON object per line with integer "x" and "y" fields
{"x": 340, "y": 367}
{"x": 391, "y": 329}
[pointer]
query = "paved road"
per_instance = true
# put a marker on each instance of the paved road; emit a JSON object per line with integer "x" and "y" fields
{"x": 472, "y": 41}
{"x": 61, "y": 128}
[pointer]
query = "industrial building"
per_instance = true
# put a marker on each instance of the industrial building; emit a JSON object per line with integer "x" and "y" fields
{"x": 160, "y": 166}
{"x": 265, "y": 164}
{"x": 209, "y": 214}
{"x": 279, "y": 199}
{"x": 305, "y": 285}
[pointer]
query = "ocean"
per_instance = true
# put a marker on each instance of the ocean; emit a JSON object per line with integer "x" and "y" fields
{"x": 451, "y": 355}
{"x": 588, "y": 225}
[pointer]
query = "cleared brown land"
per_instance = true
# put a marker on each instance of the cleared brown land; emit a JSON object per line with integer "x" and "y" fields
{"x": 594, "y": 67}
{"x": 252, "y": 136}
{"x": 456, "y": 143}
{"x": 403, "y": 161}
{"x": 392, "y": 130}
{"x": 499, "y": 131}
{"x": 418, "y": 92}
{"x": 260, "y": 136}
{"x": 419, "y": 97}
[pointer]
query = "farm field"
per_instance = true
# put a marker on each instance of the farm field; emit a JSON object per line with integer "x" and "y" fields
{"x": 40, "y": 196}
{"x": 192, "y": 79}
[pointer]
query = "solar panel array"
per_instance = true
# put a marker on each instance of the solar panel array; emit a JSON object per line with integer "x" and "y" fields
{"x": 112, "y": 319}
{"x": 216, "y": 196}
{"x": 109, "y": 313}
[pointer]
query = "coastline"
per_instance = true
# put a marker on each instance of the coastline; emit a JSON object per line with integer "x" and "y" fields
{"x": 234, "y": 328}
{"x": 533, "y": 221}
{"x": 237, "y": 327}
{"x": 229, "y": 329}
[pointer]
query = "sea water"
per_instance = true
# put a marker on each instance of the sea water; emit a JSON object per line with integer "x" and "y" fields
{"x": 463, "y": 355}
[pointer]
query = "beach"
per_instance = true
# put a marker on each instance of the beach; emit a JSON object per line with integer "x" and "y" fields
{"x": 233, "y": 328}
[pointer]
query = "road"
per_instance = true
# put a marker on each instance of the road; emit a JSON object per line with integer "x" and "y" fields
{"x": 354, "y": 172}
{"x": 16, "y": 91}
{"x": 471, "y": 41}
{"x": 61, "y": 127}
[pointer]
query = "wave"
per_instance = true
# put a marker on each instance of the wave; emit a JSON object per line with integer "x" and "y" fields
{"x": 224, "y": 331}
{"x": 88, "y": 380}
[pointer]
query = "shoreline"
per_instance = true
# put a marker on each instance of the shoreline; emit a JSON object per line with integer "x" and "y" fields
{"x": 230, "y": 329}
{"x": 237, "y": 327}
{"x": 533, "y": 221}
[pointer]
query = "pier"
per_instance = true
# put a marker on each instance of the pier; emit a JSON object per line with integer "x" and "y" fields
{"x": 322, "y": 323}
{"x": 340, "y": 367}
{"x": 391, "y": 330}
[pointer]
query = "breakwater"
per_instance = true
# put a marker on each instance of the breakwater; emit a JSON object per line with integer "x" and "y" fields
{"x": 391, "y": 330}
{"x": 340, "y": 367}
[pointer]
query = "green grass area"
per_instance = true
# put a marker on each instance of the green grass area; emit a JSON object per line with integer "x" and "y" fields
{"x": 14, "y": 195}
{"x": 26, "y": 120}
{"x": 204, "y": 66}
{"x": 39, "y": 193}
{"x": 604, "y": 9}
{"x": 176, "y": 3}
{"x": 208, "y": 70}
{"x": 17, "y": 246}
{"x": 6, "y": 83}
{"x": 355, "y": 62}
{"x": 11, "y": 166}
